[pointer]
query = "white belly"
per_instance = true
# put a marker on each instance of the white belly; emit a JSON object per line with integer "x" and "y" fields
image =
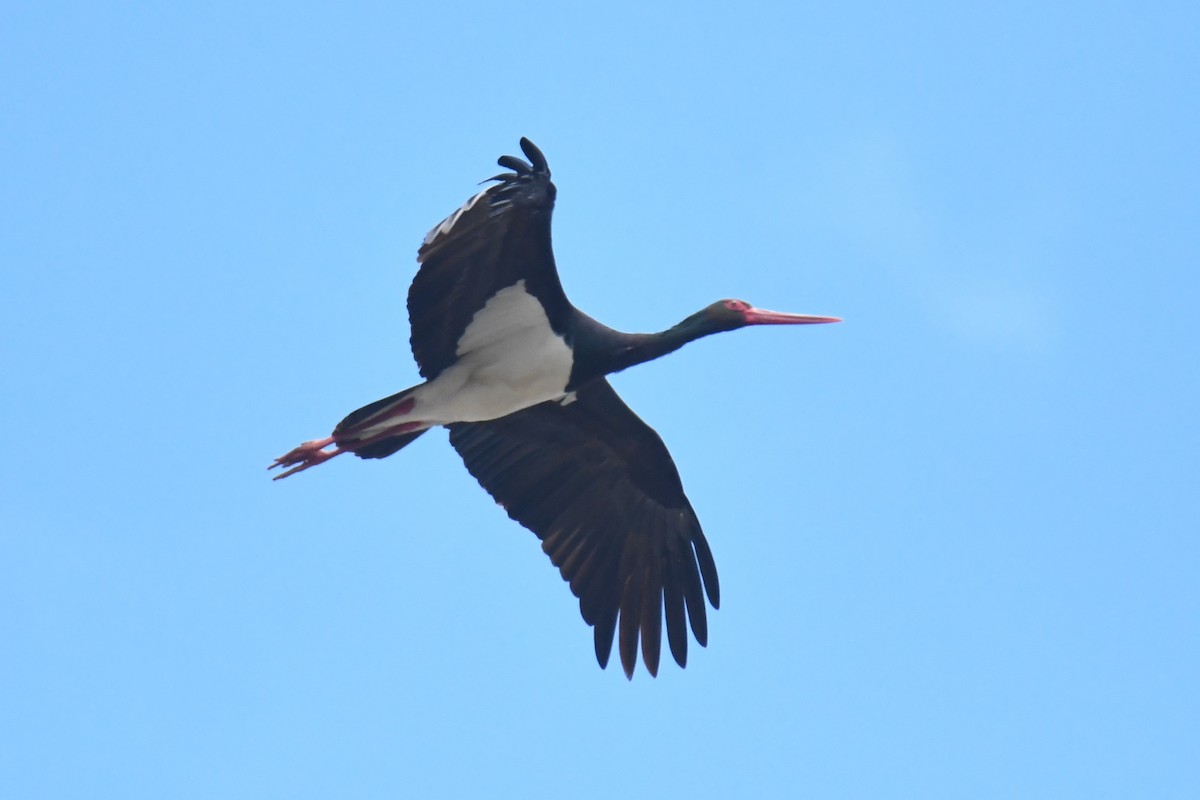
{"x": 508, "y": 359}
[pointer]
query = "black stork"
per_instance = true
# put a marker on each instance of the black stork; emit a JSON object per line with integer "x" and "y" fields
{"x": 517, "y": 374}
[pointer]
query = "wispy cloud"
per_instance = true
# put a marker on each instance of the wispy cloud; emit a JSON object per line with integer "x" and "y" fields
{"x": 979, "y": 274}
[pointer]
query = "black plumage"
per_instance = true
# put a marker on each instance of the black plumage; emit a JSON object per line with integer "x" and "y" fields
{"x": 598, "y": 487}
{"x": 573, "y": 464}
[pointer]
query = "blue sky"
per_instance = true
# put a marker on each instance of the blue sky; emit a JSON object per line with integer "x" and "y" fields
{"x": 957, "y": 534}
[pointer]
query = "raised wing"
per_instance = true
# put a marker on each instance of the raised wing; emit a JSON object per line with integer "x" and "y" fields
{"x": 598, "y": 487}
{"x": 498, "y": 237}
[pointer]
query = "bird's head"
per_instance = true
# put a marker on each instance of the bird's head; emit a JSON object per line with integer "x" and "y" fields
{"x": 728, "y": 315}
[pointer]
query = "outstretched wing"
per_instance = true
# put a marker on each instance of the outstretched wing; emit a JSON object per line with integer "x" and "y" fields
{"x": 499, "y": 236}
{"x": 598, "y": 487}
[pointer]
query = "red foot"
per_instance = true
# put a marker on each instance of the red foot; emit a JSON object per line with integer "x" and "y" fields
{"x": 306, "y": 455}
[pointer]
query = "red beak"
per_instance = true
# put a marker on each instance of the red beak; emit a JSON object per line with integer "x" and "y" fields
{"x": 760, "y": 316}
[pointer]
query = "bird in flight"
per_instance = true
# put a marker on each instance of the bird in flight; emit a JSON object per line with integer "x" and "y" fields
{"x": 517, "y": 375}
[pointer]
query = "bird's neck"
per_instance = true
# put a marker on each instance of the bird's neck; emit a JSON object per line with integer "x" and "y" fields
{"x": 600, "y": 350}
{"x": 638, "y": 348}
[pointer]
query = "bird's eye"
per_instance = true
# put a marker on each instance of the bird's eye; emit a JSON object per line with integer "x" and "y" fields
{"x": 737, "y": 305}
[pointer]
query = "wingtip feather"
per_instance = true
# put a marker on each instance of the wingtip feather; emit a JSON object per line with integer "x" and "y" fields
{"x": 602, "y": 635}
{"x": 708, "y": 569}
{"x": 627, "y": 630}
{"x": 535, "y": 155}
{"x": 515, "y": 164}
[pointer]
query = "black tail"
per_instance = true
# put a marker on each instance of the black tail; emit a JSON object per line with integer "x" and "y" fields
{"x": 348, "y": 433}
{"x": 385, "y": 447}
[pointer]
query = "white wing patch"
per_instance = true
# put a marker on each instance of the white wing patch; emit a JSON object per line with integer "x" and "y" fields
{"x": 512, "y": 313}
{"x": 509, "y": 358}
{"x": 442, "y": 228}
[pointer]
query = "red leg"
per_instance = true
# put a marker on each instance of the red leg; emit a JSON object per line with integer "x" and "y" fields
{"x": 306, "y": 455}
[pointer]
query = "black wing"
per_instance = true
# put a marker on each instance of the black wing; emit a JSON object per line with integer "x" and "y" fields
{"x": 598, "y": 487}
{"x": 500, "y": 236}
